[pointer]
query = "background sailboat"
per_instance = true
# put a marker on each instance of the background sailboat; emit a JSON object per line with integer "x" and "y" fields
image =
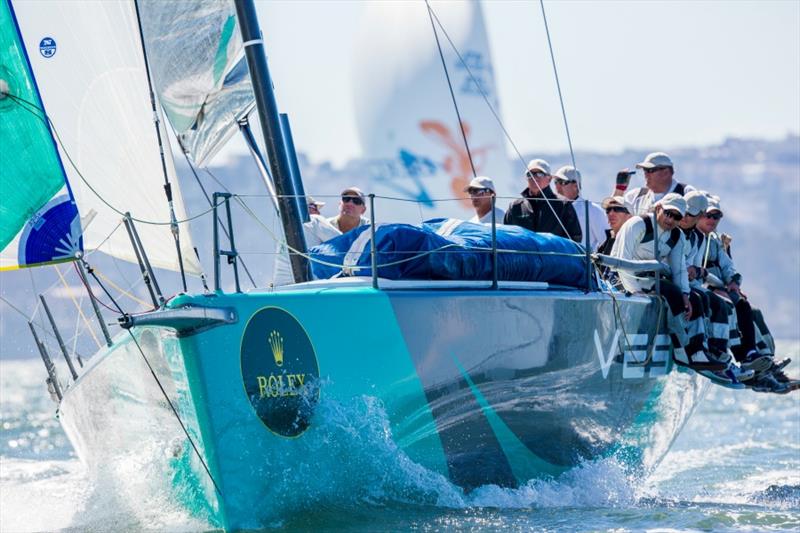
{"x": 407, "y": 125}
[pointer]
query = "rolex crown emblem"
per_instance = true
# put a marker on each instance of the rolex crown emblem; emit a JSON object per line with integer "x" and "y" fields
{"x": 276, "y": 343}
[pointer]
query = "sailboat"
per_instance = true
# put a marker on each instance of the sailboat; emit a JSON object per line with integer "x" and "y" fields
{"x": 488, "y": 381}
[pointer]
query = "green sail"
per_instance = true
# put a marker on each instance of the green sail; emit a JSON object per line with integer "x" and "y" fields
{"x": 37, "y": 211}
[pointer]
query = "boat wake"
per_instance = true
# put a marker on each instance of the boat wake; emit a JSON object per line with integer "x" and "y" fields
{"x": 363, "y": 476}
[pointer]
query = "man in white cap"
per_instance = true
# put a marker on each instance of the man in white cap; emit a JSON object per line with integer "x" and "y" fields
{"x": 568, "y": 186}
{"x": 717, "y": 311}
{"x": 481, "y": 191}
{"x": 314, "y": 206}
{"x": 539, "y": 209}
{"x": 750, "y": 349}
{"x": 636, "y": 241}
{"x": 351, "y": 210}
{"x": 617, "y": 213}
{"x": 659, "y": 179}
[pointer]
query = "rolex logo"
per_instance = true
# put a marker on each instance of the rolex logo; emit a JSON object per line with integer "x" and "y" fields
{"x": 276, "y": 343}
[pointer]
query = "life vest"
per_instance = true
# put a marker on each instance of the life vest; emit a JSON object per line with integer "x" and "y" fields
{"x": 674, "y": 236}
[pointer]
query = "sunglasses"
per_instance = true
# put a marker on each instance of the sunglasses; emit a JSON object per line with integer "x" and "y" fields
{"x": 714, "y": 216}
{"x": 535, "y": 175}
{"x": 616, "y": 209}
{"x": 677, "y": 217}
{"x": 477, "y": 192}
{"x": 565, "y": 182}
{"x": 654, "y": 169}
{"x": 354, "y": 199}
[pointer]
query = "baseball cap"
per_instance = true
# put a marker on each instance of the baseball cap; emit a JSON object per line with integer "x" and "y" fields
{"x": 696, "y": 203}
{"x": 617, "y": 201}
{"x": 539, "y": 164}
{"x": 481, "y": 182}
{"x": 352, "y": 191}
{"x": 713, "y": 204}
{"x": 673, "y": 202}
{"x": 568, "y": 173}
{"x": 656, "y": 159}
{"x": 310, "y": 201}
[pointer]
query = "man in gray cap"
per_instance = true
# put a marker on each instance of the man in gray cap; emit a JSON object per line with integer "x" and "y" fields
{"x": 351, "y": 211}
{"x": 636, "y": 241}
{"x": 659, "y": 179}
{"x": 754, "y": 349}
{"x": 481, "y": 190}
{"x": 716, "y": 310}
{"x": 539, "y": 209}
{"x": 568, "y": 186}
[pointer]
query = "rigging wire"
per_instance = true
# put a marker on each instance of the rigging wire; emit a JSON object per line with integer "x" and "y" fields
{"x": 492, "y": 109}
{"x": 218, "y": 221}
{"x": 46, "y": 119}
{"x": 450, "y": 86}
{"x": 81, "y": 315}
{"x": 157, "y": 380}
{"x": 246, "y": 208}
{"x": 173, "y": 226}
{"x": 558, "y": 84}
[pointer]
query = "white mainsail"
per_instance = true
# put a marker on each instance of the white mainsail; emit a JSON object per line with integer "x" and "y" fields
{"x": 405, "y": 116}
{"x": 94, "y": 88}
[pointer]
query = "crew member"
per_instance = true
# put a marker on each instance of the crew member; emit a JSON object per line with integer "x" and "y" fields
{"x": 314, "y": 206}
{"x": 716, "y": 310}
{"x": 659, "y": 177}
{"x": 539, "y": 209}
{"x": 481, "y": 191}
{"x": 568, "y": 186}
{"x": 351, "y": 210}
{"x": 617, "y": 213}
{"x": 636, "y": 241}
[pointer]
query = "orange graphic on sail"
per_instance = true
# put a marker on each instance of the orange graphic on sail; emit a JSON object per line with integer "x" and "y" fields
{"x": 456, "y": 162}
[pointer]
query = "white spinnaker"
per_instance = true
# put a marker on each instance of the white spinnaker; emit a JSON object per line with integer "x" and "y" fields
{"x": 94, "y": 89}
{"x": 404, "y": 110}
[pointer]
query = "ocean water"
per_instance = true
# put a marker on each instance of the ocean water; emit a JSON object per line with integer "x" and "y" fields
{"x": 735, "y": 467}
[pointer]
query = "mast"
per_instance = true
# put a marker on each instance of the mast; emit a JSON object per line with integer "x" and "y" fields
{"x": 273, "y": 137}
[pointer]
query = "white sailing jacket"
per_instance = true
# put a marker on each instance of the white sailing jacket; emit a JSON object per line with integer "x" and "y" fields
{"x": 598, "y": 222}
{"x": 499, "y": 214}
{"x": 629, "y": 245}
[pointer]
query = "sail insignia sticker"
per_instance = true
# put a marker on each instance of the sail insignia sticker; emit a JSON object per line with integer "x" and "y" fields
{"x": 280, "y": 372}
{"x": 47, "y": 47}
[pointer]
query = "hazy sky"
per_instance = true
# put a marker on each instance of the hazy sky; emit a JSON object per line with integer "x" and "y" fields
{"x": 634, "y": 73}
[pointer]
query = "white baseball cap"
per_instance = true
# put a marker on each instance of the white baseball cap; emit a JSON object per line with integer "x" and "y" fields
{"x": 713, "y": 204}
{"x": 353, "y": 191}
{"x": 617, "y": 201}
{"x": 673, "y": 202}
{"x": 311, "y": 201}
{"x": 539, "y": 164}
{"x": 696, "y": 203}
{"x": 656, "y": 159}
{"x": 568, "y": 173}
{"x": 481, "y": 182}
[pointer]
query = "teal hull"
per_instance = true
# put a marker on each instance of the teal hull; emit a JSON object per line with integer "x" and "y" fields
{"x": 480, "y": 387}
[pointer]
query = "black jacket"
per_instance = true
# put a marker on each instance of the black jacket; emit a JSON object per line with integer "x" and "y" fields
{"x": 535, "y": 215}
{"x": 606, "y": 246}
